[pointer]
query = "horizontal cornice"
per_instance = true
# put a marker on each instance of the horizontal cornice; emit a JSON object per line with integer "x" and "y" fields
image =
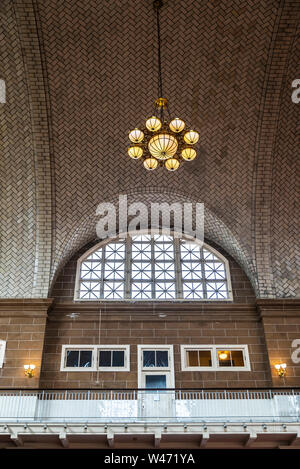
{"x": 25, "y": 306}
{"x": 279, "y": 307}
{"x": 153, "y": 311}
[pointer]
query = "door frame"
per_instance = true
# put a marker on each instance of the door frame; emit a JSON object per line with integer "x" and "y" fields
{"x": 169, "y": 370}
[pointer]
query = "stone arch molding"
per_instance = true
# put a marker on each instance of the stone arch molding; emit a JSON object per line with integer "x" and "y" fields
{"x": 215, "y": 230}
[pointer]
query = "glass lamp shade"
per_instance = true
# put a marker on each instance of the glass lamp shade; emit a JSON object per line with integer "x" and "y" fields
{"x": 153, "y": 124}
{"x": 188, "y": 154}
{"x": 150, "y": 163}
{"x": 135, "y": 152}
{"x": 191, "y": 137}
{"x": 177, "y": 125}
{"x": 163, "y": 146}
{"x": 136, "y": 136}
{"x": 172, "y": 164}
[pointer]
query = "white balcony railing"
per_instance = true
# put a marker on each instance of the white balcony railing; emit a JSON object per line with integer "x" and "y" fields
{"x": 115, "y": 406}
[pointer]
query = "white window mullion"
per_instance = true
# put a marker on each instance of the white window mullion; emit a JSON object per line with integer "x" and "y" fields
{"x": 102, "y": 273}
{"x": 152, "y": 267}
{"x": 177, "y": 260}
{"x": 203, "y": 274}
{"x": 128, "y": 263}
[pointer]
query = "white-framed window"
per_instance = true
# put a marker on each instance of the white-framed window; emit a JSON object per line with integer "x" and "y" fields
{"x": 215, "y": 358}
{"x": 95, "y": 358}
{"x": 142, "y": 266}
{"x": 2, "y": 352}
{"x": 155, "y": 361}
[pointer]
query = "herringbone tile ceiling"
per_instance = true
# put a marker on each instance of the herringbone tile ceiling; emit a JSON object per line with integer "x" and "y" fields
{"x": 92, "y": 76}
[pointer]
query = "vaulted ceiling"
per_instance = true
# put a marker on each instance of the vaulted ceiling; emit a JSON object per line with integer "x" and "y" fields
{"x": 80, "y": 74}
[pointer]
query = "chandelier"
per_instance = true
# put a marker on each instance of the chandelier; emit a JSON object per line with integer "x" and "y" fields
{"x": 163, "y": 140}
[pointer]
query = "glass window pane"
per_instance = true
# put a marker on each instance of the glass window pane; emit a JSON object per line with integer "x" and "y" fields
{"x": 214, "y": 270}
{"x": 114, "y": 270}
{"x": 141, "y": 271}
{"x": 162, "y": 358}
{"x": 205, "y": 357}
{"x": 85, "y": 358}
{"x": 237, "y": 358}
{"x": 115, "y": 251}
{"x": 118, "y": 358}
{"x": 97, "y": 255}
{"x": 191, "y": 270}
{"x": 165, "y": 290}
{"x": 216, "y": 290}
{"x": 199, "y": 358}
{"x": 91, "y": 270}
{"x": 89, "y": 290}
{"x": 141, "y": 251}
{"x": 164, "y": 271}
{"x": 156, "y": 381}
{"x": 148, "y": 358}
{"x": 163, "y": 238}
{"x": 209, "y": 256}
{"x": 105, "y": 358}
{"x": 224, "y": 357}
{"x": 190, "y": 252}
{"x": 141, "y": 290}
{"x": 72, "y": 358}
{"x": 192, "y": 290}
{"x": 192, "y": 358}
{"x": 113, "y": 290}
{"x": 164, "y": 252}
{"x": 141, "y": 238}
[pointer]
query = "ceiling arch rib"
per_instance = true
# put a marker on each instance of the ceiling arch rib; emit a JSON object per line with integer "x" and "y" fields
{"x": 239, "y": 58}
{"x": 26, "y": 202}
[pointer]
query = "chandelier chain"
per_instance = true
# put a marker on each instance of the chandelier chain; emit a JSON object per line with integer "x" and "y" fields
{"x": 162, "y": 141}
{"x": 157, "y": 6}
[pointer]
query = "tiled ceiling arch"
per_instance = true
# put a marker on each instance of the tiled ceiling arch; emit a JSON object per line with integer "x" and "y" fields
{"x": 96, "y": 65}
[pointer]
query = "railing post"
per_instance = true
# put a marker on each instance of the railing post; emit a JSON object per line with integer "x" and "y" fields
{"x": 41, "y": 405}
{"x": 19, "y": 405}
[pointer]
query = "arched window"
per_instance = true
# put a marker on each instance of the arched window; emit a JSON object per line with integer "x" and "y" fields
{"x": 152, "y": 267}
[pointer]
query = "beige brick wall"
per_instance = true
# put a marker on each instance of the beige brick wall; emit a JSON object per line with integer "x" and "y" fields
{"x": 22, "y": 326}
{"x": 281, "y": 322}
{"x": 184, "y": 324}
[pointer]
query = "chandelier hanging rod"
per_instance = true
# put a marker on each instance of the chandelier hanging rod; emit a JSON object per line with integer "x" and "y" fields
{"x": 157, "y": 4}
{"x": 162, "y": 141}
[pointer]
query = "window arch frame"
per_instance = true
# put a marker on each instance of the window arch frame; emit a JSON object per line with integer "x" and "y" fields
{"x": 153, "y": 232}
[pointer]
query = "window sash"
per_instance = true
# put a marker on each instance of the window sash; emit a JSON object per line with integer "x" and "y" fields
{"x": 112, "y": 353}
{"x": 79, "y": 358}
{"x": 153, "y": 359}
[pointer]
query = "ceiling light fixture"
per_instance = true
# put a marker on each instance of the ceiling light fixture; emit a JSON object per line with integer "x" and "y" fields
{"x": 165, "y": 140}
{"x": 223, "y": 355}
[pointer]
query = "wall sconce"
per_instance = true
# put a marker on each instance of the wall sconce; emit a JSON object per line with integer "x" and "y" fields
{"x": 29, "y": 370}
{"x": 281, "y": 369}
